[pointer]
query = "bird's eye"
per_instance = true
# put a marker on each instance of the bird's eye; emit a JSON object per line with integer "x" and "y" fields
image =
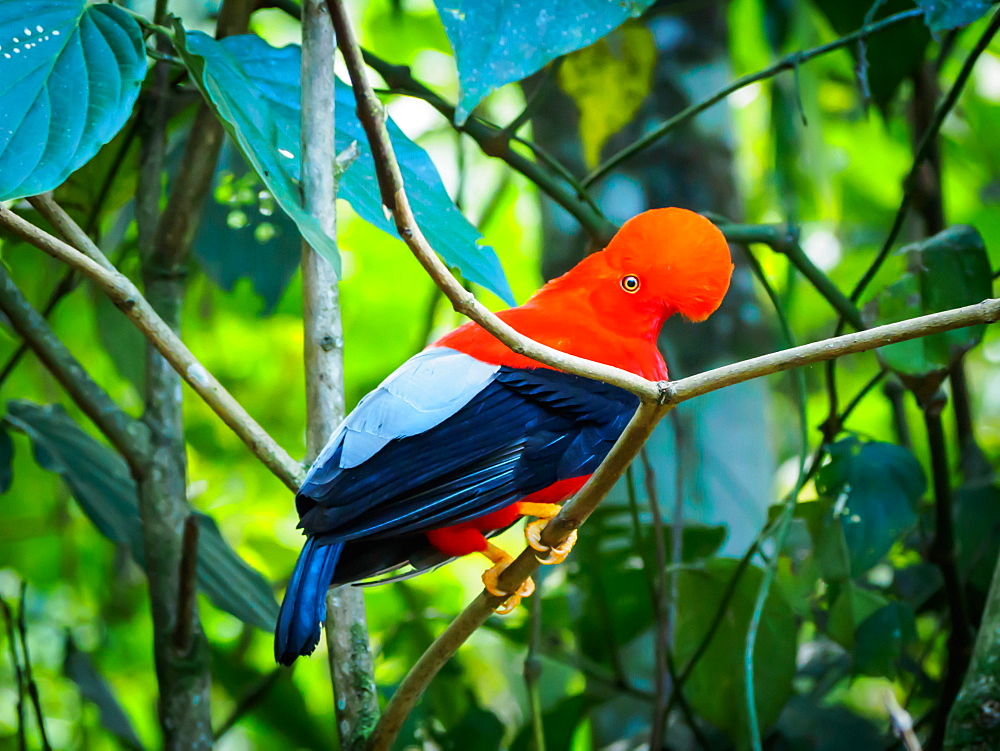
{"x": 630, "y": 283}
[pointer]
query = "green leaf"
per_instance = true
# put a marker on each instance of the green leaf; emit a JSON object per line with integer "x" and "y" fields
{"x": 71, "y": 74}
{"x": 892, "y": 54}
{"x": 6, "y": 459}
{"x": 255, "y": 89}
{"x": 852, "y": 606}
{"x": 242, "y": 236}
{"x": 103, "y": 487}
{"x": 716, "y": 688}
{"x": 872, "y": 489}
{"x": 609, "y": 81}
{"x": 941, "y": 15}
{"x": 881, "y": 639}
{"x": 499, "y": 41}
{"x": 79, "y": 667}
{"x": 949, "y": 270}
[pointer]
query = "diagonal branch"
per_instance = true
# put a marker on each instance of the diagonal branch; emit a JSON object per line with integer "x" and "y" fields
{"x": 130, "y": 301}
{"x": 127, "y": 435}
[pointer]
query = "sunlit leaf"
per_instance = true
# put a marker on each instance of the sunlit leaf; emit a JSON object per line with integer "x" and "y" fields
{"x": 716, "y": 688}
{"x": 609, "y": 81}
{"x": 71, "y": 73}
{"x": 103, "y": 487}
{"x": 522, "y": 37}
{"x": 872, "y": 488}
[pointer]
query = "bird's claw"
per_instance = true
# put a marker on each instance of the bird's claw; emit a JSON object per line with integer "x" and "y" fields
{"x": 490, "y": 577}
{"x": 556, "y": 554}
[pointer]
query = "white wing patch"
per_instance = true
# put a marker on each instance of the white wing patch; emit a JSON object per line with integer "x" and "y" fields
{"x": 424, "y": 391}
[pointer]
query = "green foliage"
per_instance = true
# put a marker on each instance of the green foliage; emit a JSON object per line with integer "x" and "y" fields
{"x": 717, "y": 688}
{"x": 71, "y": 73}
{"x": 100, "y": 482}
{"x": 521, "y": 40}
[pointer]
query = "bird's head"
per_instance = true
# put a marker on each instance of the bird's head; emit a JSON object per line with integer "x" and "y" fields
{"x": 661, "y": 262}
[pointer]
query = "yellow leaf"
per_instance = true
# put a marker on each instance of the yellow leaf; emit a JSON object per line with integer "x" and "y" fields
{"x": 608, "y": 81}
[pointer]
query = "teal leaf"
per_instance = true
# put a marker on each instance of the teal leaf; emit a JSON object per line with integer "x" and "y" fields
{"x": 69, "y": 76}
{"x": 269, "y": 143}
{"x": 102, "y": 485}
{"x": 941, "y": 15}
{"x": 500, "y": 41}
{"x": 872, "y": 489}
{"x": 259, "y": 103}
{"x": 242, "y": 236}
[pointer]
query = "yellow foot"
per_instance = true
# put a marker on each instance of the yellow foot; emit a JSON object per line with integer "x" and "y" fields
{"x": 533, "y": 534}
{"x": 501, "y": 561}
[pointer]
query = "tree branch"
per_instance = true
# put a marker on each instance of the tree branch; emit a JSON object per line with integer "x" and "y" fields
{"x": 130, "y": 437}
{"x": 130, "y": 301}
{"x": 348, "y": 649}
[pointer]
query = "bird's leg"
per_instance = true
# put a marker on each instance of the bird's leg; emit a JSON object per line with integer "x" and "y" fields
{"x": 501, "y": 560}
{"x": 533, "y": 531}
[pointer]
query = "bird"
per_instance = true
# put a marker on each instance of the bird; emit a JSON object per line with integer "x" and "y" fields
{"x": 466, "y": 437}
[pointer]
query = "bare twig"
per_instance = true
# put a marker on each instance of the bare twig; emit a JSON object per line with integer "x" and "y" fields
{"x": 129, "y": 300}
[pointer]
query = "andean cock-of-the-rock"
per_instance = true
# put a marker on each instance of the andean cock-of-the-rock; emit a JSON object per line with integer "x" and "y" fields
{"x": 466, "y": 437}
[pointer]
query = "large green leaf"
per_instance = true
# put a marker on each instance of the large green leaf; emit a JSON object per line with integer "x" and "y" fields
{"x": 948, "y": 270}
{"x": 69, "y": 75}
{"x": 499, "y": 41}
{"x": 255, "y": 89}
{"x": 716, "y": 688}
{"x": 101, "y": 483}
{"x": 872, "y": 489}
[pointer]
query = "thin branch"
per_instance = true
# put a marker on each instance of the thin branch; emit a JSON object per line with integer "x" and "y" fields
{"x": 789, "y": 62}
{"x": 15, "y": 661}
{"x": 130, "y": 301}
{"x": 29, "y": 677}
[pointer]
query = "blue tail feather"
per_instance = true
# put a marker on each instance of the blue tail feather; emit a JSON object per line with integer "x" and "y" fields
{"x": 304, "y": 608}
